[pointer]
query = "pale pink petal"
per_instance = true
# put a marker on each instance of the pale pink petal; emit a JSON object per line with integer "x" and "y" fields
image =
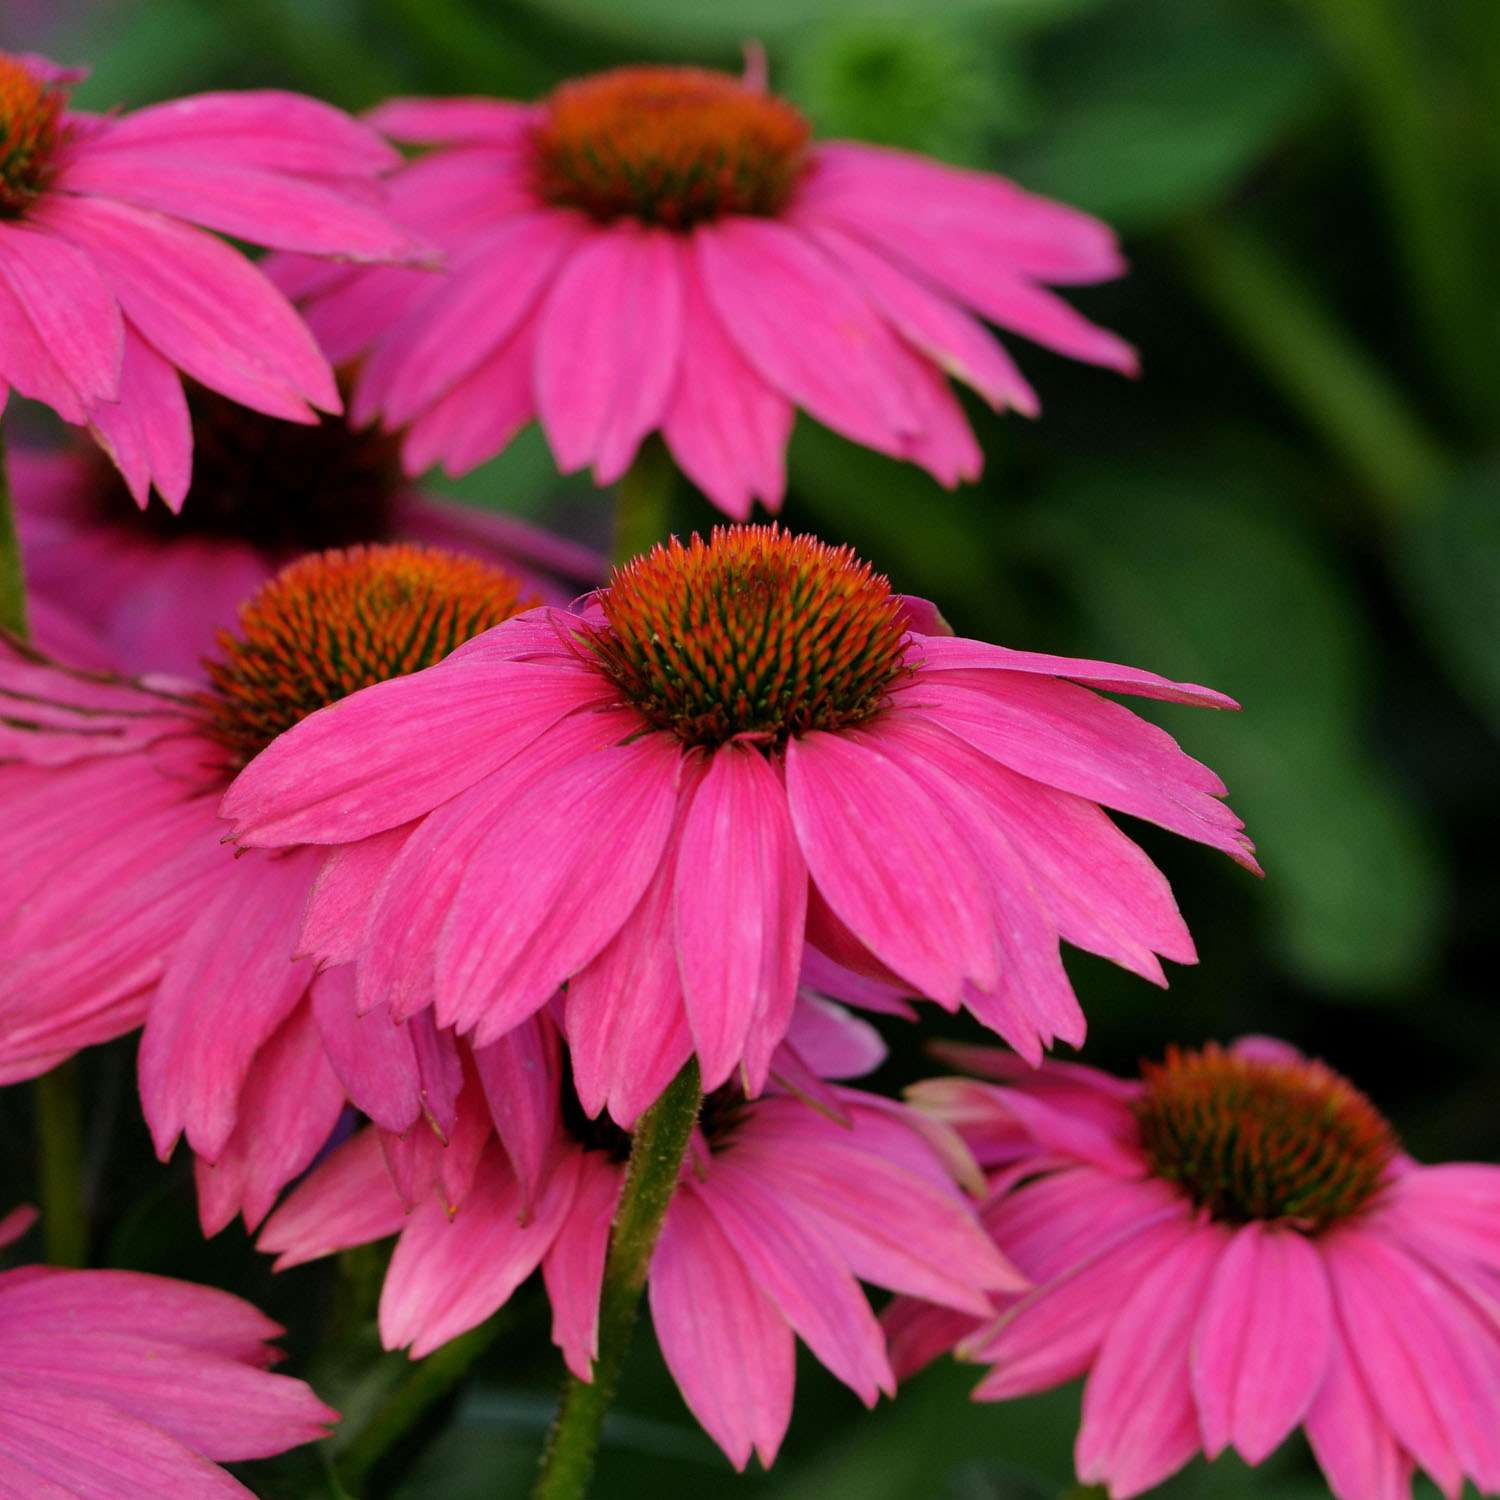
{"x": 393, "y": 751}
{"x": 572, "y": 857}
{"x": 448, "y": 1275}
{"x": 230, "y": 983}
{"x": 806, "y": 330}
{"x": 289, "y": 1104}
{"x": 573, "y": 1268}
{"x": 944, "y": 333}
{"x": 891, "y": 863}
{"x": 832, "y": 1042}
{"x": 202, "y": 305}
{"x": 741, "y": 904}
{"x": 521, "y": 1074}
{"x": 726, "y": 427}
{"x": 728, "y": 1348}
{"x": 1261, "y": 1348}
{"x": 608, "y": 348}
{"x": 264, "y": 207}
{"x": 1139, "y": 1424}
{"x": 803, "y": 1275}
{"x": 70, "y": 307}
{"x": 821, "y": 973}
{"x": 348, "y": 1199}
{"x": 148, "y": 434}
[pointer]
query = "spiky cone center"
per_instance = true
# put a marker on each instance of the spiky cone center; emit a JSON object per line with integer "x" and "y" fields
{"x": 338, "y": 621}
{"x": 1251, "y": 1138}
{"x": 668, "y": 146}
{"x": 755, "y": 632}
{"x": 285, "y": 487}
{"x": 31, "y": 111}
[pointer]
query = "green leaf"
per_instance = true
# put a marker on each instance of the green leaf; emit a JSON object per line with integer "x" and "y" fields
{"x": 1159, "y": 107}
{"x": 1451, "y": 559}
{"x": 1219, "y": 588}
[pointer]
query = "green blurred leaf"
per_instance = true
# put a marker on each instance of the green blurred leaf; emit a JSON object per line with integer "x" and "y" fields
{"x": 1159, "y": 107}
{"x": 1452, "y": 568}
{"x": 1217, "y": 588}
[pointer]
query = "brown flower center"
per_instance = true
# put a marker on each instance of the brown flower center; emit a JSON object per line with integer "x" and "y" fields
{"x": 669, "y": 146}
{"x": 30, "y": 126}
{"x": 756, "y": 632}
{"x": 336, "y": 622}
{"x": 1256, "y": 1138}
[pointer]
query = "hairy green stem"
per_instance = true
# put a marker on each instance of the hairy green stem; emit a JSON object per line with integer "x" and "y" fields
{"x": 1333, "y": 383}
{"x": 59, "y": 1132}
{"x": 643, "y": 509}
{"x": 656, "y": 1157}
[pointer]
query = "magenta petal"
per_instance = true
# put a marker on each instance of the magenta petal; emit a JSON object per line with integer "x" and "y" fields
{"x": 374, "y": 1059}
{"x": 805, "y": 329}
{"x": 608, "y": 347}
{"x": 521, "y": 1075}
{"x": 1139, "y": 1424}
{"x": 803, "y": 1275}
{"x": 344, "y": 893}
{"x": 559, "y": 873}
{"x": 1262, "y": 1342}
{"x": 346, "y": 1200}
{"x": 573, "y": 1268}
{"x": 728, "y": 1348}
{"x": 892, "y": 865}
{"x": 741, "y": 901}
{"x": 726, "y": 427}
{"x": 70, "y": 307}
{"x": 148, "y": 433}
{"x": 438, "y": 121}
{"x": 448, "y": 1275}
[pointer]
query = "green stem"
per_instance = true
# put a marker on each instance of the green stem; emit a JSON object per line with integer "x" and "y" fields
{"x": 12, "y": 579}
{"x": 656, "y": 1157}
{"x": 1333, "y": 383}
{"x": 644, "y": 503}
{"x": 60, "y": 1165}
{"x": 430, "y": 1380}
{"x": 1085, "y": 1492}
{"x": 59, "y": 1133}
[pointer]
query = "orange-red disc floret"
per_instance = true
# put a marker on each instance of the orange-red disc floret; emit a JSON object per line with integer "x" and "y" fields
{"x": 669, "y": 146}
{"x": 30, "y": 123}
{"x": 1258, "y": 1138}
{"x": 339, "y": 621}
{"x": 755, "y": 632}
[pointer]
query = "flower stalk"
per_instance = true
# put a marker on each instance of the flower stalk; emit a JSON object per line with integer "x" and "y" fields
{"x": 643, "y": 507}
{"x": 656, "y": 1156}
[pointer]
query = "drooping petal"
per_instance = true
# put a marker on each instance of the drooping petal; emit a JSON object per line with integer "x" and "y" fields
{"x": 521, "y": 1075}
{"x": 1261, "y": 1348}
{"x": 147, "y": 432}
{"x": 374, "y": 1059}
{"x": 573, "y": 1268}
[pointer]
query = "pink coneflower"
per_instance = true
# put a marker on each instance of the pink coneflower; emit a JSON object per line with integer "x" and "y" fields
{"x": 1231, "y": 1246}
{"x": 665, "y": 248}
{"x": 784, "y": 1205}
{"x": 107, "y": 290}
{"x": 156, "y": 588}
{"x": 120, "y": 1386}
{"x": 119, "y": 896}
{"x": 738, "y": 746}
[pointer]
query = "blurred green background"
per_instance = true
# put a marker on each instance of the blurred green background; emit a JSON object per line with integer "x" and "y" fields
{"x": 1298, "y": 503}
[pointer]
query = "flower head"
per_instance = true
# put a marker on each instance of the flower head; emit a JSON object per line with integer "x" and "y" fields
{"x": 739, "y": 749}
{"x": 117, "y": 1385}
{"x": 676, "y": 233}
{"x": 107, "y": 291}
{"x": 1228, "y": 1247}
{"x": 125, "y": 905}
{"x": 156, "y": 588}
{"x": 782, "y": 1207}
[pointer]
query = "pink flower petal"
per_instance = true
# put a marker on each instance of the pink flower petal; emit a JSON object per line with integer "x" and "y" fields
{"x": 726, "y": 427}
{"x": 343, "y": 895}
{"x": 806, "y": 330}
{"x": 557, "y": 876}
{"x": 728, "y": 1348}
{"x": 609, "y": 348}
{"x": 573, "y": 1268}
{"x": 438, "y": 121}
{"x": 448, "y": 1275}
{"x": 149, "y": 436}
{"x": 741, "y": 903}
{"x": 1261, "y": 1348}
{"x": 1139, "y": 1423}
{"x": 373, "y": 1058}
{"x": 521, "y": 1075}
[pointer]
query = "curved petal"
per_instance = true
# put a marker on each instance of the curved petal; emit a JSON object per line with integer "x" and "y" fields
{"x": 148, "y": 433}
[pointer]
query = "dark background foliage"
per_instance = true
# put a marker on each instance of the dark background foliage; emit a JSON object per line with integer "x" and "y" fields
{"x": 1299, "y": 503}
